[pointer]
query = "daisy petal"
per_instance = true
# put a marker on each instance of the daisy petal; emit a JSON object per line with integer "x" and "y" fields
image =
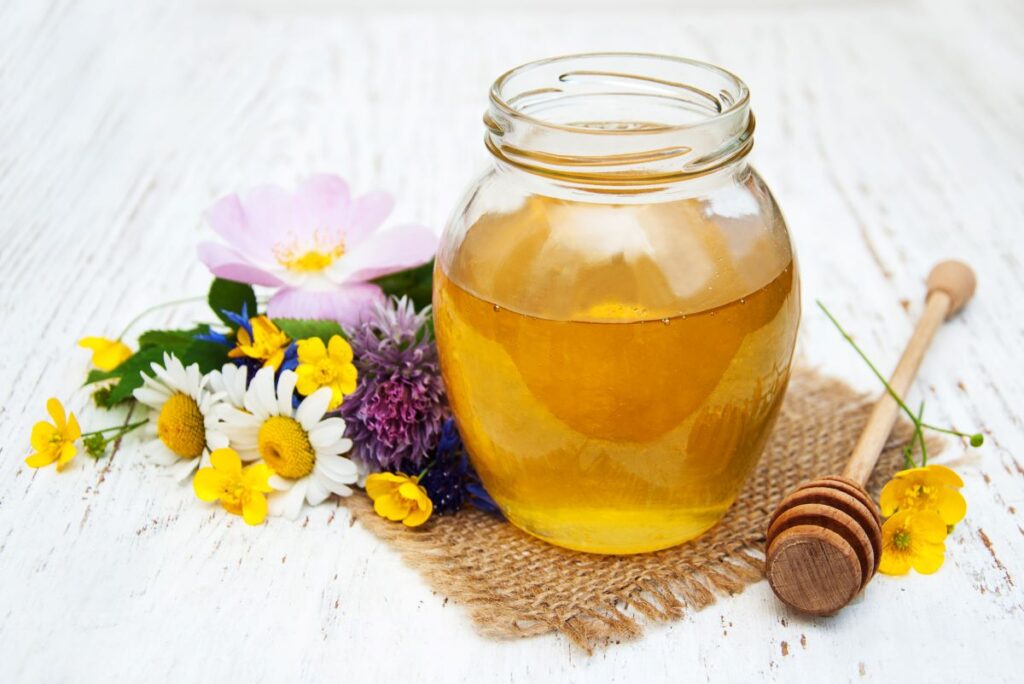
{"x": 327, "y": 432}
{"x": 312, "y": 408}
{"x": 317, "y": 492}
{"x": 337, "y": 468}
{"x": 181, "y": 470}
{"x": 285, "y": 391}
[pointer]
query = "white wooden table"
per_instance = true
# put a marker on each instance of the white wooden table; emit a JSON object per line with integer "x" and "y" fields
{"x": 890, "y": 132}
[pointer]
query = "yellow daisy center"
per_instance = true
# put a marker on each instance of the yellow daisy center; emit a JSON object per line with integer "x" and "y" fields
{"x": 901, "y": 540}
{"x": 181, "y": 426}
{"x": 285, "y": 446}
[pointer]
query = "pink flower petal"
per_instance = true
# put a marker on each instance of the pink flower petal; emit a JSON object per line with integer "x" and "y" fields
{"x": 269, "y": 213}
{"x": 366, "y": 215}
{"x": 226, "y": 263}
{"x": 388, "y": 251}
{"x": 256, "y": 222}
{"x": 323, "y": 206}
{"x": 346, "y": 305}
{"x": 227, "y": 218}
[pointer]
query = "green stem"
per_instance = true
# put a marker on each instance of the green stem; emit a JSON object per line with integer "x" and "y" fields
{"x": 424, "y": 471}
{"x": 157, "y": 307}
{"x": 919, "y": 434}
{"x": 948, "y": 431}
{"x": 878, "y": 374}
{"x": 125, "y": 428}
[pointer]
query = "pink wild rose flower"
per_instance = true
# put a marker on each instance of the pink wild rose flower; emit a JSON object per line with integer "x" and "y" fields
{"x": 318, "y": 245}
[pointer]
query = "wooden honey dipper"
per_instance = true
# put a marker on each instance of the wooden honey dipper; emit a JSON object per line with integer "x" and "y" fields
{"x": 825, "y": 538}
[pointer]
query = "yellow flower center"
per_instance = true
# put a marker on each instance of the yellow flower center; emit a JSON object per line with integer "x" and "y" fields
{"x": 917, "y": 495}
{"x": 901, "y": 540}
{"x": 181, "y": 427}
{"x": 324, "y": 372}
{"x": 285, "y": 446}
{"x": 311, "y": 260}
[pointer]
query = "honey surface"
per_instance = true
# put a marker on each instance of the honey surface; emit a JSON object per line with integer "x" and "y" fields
{"x": 615, "y": 371}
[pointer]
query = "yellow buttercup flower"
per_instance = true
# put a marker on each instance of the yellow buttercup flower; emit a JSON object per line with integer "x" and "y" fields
{"x": 399, "y": 497}
{"x": 913, "y": 539}
{"x": 106, "y": 354}
{"x": 931, "y": 488}
{"x": 241, "y": 491}
{"x": 267, "y": 343}
{"x": 54, "y": 442}
{"x": 327, "y": 365}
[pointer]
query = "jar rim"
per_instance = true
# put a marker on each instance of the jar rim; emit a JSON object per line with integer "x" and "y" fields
{"x": 736, "y": 102}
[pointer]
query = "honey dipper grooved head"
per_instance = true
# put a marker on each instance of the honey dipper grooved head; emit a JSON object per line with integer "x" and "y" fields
{"x": 824, "y": 545}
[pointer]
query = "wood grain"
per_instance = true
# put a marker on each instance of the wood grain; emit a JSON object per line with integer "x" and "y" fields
{"x": 888, "y": 131}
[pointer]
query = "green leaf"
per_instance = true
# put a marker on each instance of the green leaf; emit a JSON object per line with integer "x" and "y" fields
{"x": 227, "y": 295}
{"x": 209, "y": 355}
{"x": 301, "y": 328}
{"x": 416, "y": 283}
{"x": 130, "y": 371}
{"x": 171, "y": 340}
{"x": 97, "y": 375}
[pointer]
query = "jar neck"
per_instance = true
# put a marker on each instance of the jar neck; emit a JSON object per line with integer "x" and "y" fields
{"x": 619, "y": 122}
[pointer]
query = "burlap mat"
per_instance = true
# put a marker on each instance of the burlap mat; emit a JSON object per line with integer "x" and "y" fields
{"x": 515, "y": 585}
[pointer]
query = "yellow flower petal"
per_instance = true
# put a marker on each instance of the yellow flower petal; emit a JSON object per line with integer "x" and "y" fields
{"x": 382, "y": 484}
{"x": 227, "y": 462}
{"x": 311, "y": 350}
{"x": 274, "y": 360}
{"x": 349, "y": 376}
{"x": 67, "y": 452}
{"x": 892, "y": 495}
{"x": 392, "y": 507}
{"x": 42, "y": 458}
{"x": 420, "y": 515}
{"x": 927, "y": 526}
{"x": 412, "y": 491}
{"x": 106, "y": 354}
{"x": 306, "y": 383}
{"x": 929, "y": 557}
{"x": 73, "y": 431}
{"x": 938, "y": 474}
{"x": 208, "y": 484}
{"x": 42, "y": 435}
{"x": 894, "y": 562}
{"x": 256, "y": 478}
{"x": 56, "y": 411}
{"x": 336, "y": 398}
{"x": 340, "y": 350}
{"x": 254, "y": 508}
{"x": 931, "y": 475}
{"x": 951, "y": 505}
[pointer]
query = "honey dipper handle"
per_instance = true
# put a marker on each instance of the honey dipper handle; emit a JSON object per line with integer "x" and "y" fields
{"x": 950, "y": 285}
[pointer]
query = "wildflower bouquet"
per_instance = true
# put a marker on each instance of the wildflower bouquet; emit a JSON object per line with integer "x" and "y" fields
{"x": 328, "y": 379}
{"x": 333, "y": 383}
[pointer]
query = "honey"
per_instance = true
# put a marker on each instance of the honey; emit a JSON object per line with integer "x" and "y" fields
{"x": 615, "y": 369}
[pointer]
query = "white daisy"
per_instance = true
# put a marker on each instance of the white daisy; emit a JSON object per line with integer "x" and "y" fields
{"x": 231, "y": 381}
{"x": 299, "y": 445}
{"x": 184, "y": 423}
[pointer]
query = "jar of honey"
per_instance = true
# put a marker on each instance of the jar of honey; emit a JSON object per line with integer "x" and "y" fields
{"x": 616, "y": 301}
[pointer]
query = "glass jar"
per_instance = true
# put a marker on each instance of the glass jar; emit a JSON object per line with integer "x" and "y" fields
{"x": 616, "y": 301}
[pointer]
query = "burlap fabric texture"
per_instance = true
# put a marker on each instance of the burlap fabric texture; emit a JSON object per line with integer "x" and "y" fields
{"x": 514, "y": 585}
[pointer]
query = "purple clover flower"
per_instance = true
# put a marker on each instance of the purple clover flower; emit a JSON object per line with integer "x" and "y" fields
{"x": 396, "y": 412}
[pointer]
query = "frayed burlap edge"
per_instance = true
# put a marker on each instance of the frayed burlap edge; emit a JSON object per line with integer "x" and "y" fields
{"x": 514, "y": 585}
